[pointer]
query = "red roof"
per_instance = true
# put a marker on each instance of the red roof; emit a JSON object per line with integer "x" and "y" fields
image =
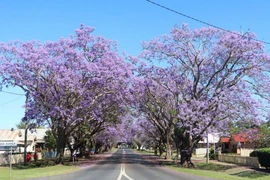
{"x": 239, "y": 138}
{"x": 249, "y": 136}
{"x": 225, "y": 140}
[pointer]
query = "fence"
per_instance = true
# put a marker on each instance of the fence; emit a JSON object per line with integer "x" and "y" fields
{"x": 50, "y": 154}
{"x": 239, "y": 160}
{"x": 18, "y": 158}
{"x": 245, "y": 152}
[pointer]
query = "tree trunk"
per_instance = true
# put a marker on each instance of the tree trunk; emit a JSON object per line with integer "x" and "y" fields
{"x": 186, "y": 151}
{"x": 186, "y": 158}
{"x": 168, "y": 151}
{"x": 168, "y": 147}
{"x": 177, "y": 155}
{"x": 160, "y": 149}
{"x": 60, "y": 145}
{"x": 139, "y": 147}
{"x": 106, "y": 148}
{"x": 155, "y": 150}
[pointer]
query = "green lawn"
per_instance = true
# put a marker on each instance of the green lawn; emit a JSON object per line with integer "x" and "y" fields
{"x": 41, "y": 168}
{"x": 18, "y": 173}
{"x": 222, "y": 172}
{"x": 144, "y": 152}
{"x": 217, "y": 171}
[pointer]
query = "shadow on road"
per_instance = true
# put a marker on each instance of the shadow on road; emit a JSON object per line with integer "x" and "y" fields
{"x": 127, "y": 156}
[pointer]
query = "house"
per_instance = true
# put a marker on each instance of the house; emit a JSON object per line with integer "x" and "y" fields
{"x": 236, "y": 143}
{"x": 213, "y": 139}
{"x": 35, "y": 139}
{"x": 36, "y": 136}
{"x": 7, "y": 135}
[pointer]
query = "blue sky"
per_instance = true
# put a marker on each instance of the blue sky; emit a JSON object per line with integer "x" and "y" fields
{"x": 129, "y": 22}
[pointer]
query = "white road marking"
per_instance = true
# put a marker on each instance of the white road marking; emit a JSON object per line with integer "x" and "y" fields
{"x": 123, "y": 173}
{"x": 123, "y": 170}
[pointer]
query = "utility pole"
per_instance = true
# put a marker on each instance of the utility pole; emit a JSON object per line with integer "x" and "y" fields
{"x": 25, "y": 133}
{"x": 10, "y": 158}
{"x": 25, "y": 144}
{"x": 10, "y": 162}
{"x": 207, "y": 150}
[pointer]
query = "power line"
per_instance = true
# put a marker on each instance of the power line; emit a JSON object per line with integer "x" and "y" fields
{"x": 203, "y": 22}
{"x": 11, "y": 101}
{"x": 13, "y": 93}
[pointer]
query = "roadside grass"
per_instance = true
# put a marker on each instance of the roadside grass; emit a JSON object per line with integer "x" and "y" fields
{"x": 150, "y": 152}
{"x": 223, "y": 174}
{"x": 213, "y": 166}
{"x": 252, "y": 175}
{"x": 215, "y": 170}
{"x": 23, "y": 172}
{"x": 41, "y": 168}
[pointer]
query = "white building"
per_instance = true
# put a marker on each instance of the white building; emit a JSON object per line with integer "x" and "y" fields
{"x": 213, "y": 139}
{"x": 35, "y": 139}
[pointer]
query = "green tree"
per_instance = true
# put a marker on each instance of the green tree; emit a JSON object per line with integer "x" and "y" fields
{"x": 264, "y": 135}
{"x": 50, "y": 141}
{"x": 21, "y": 125}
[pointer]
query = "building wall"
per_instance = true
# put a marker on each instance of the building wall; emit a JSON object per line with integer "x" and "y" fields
{"x": 234, "y": 147}
{"x": 247, "y": 146}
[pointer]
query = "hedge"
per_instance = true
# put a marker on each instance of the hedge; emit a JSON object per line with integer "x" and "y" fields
{"x": 263, "y": 156}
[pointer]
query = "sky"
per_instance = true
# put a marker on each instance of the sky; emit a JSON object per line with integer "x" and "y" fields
{"x": 128, "y": 22}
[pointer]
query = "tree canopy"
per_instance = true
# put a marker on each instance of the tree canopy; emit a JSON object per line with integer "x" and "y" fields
{"x": 181, "y": 87}
{"x": 206, "y": 80}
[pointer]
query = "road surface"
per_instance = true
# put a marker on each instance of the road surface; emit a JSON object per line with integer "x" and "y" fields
{"x": 124, "y": 164}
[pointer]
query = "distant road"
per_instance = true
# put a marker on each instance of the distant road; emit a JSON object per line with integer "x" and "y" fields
{"x": 124, "y": 164}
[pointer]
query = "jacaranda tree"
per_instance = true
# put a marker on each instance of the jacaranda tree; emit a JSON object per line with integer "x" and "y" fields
{"x": 67, "y": 82}
{"x": 205, "y": 79}
{"x": 156, "y": 107}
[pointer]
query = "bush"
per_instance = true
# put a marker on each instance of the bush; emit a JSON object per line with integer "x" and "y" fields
{"x": 225, "y": 151}
{"x": 42, "y": 163}
{"x": 263, "y": 156}
{"x": 253, "y": 154}
{"x": 213, "y": 155}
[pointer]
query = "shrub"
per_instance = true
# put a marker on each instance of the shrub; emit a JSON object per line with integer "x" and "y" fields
{"x": 253, "y": 154}
{"x": 213, "y": 155}
{"x": 225, "y": 151}
{"x": 41, "y": 163}
{"x": 263, "y": 156}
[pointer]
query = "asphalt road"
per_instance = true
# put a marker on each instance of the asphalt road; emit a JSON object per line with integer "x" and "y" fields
{"x": 124, "y": 164}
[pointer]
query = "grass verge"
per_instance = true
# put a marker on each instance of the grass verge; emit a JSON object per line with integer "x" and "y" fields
{"x": 150, "y": 152}
{"x": 215, "y": 170}
{"x": 224, "y": 175}
{"x": 23, "y": 173}
{"x": 43, "y": 168}
{"x": 40, "y": 168}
